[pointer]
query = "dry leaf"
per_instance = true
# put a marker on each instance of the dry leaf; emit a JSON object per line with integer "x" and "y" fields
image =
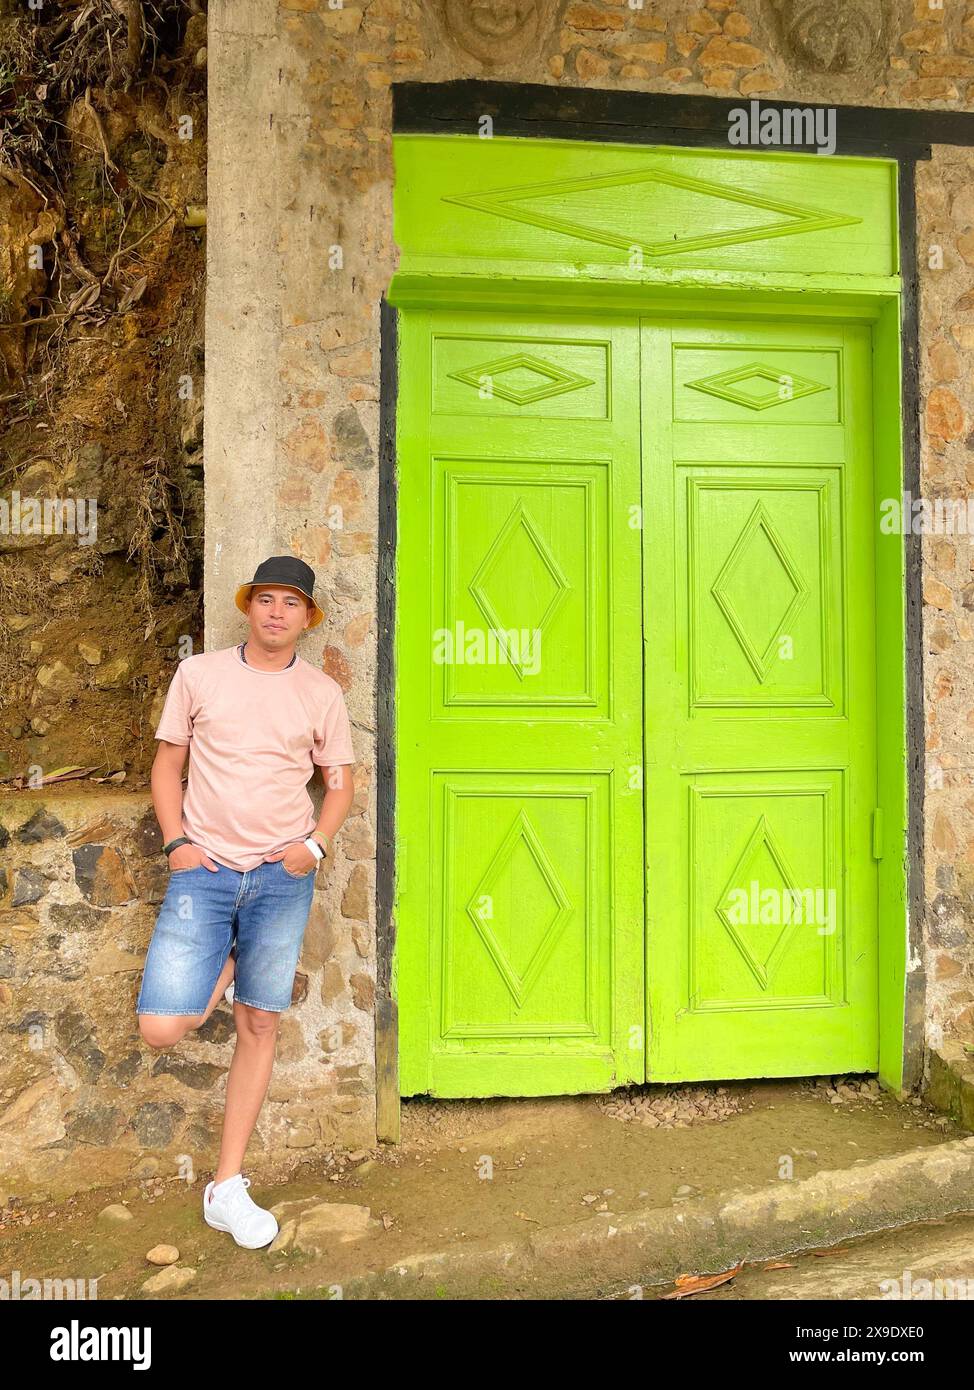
{"x": 688, "y": 1284}
{"x": 84, "y": 298}
{"x": 133, "y": 294}
{"x": 65, "y": 774}
{"x": 62, "y": 774}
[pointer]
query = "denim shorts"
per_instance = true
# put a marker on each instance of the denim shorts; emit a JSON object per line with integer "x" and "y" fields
{"x": 263, "y": 910}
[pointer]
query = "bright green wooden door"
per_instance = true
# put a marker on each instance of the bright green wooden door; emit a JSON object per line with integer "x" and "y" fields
{"x": 519, "y": 900}
{"x": 683, "y": 512}
{"x": 759, "y": 626}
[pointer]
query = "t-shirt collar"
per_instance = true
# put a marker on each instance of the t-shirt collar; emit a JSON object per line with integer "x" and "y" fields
{"x": 243, "y": 660}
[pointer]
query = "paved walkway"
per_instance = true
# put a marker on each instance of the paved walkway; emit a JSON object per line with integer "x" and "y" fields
{"x": 475, "y": 1176}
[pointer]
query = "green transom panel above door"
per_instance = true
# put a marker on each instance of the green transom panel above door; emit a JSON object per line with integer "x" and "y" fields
{"x": 505, "y": 206}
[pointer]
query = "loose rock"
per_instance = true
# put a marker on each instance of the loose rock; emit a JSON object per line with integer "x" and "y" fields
{"x": 114, "y": 1215}
{"x": 171, "y": 1280}
{"x": 162, "y": 1255}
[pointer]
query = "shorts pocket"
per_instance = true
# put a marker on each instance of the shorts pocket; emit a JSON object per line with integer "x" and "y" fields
{"x": 307, "y": 873}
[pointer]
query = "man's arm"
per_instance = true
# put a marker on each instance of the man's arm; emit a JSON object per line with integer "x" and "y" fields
{"x": 167, "y": 798}
{"x": 339, "y": 792}
{"x": 167, "y": 788}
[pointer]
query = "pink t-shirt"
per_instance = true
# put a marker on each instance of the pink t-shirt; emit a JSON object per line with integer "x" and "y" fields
{"x": 254, "y": 738}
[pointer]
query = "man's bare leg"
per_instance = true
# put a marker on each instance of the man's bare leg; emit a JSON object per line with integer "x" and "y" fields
{"x": 165, "y": 1030}
{"x": 247, "y": 1082}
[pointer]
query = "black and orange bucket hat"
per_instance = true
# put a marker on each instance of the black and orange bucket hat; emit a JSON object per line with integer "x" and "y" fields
{"x": 282, "y": 569}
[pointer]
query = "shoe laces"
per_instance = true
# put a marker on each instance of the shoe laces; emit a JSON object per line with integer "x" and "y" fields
{"x": 239, "y": 1197}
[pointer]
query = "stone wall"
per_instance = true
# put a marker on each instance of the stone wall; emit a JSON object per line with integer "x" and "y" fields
{"x": 945, "y": 196}
{"x": 83, "y": 1101}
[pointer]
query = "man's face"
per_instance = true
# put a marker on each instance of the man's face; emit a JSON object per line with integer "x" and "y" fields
{"x": 278, "y": 615}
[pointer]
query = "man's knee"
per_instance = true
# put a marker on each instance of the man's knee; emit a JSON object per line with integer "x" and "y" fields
{"x": 259, "y": 1024}
{"x": 161, "y": 1031}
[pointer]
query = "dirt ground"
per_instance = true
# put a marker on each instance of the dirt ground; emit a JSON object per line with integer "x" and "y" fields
{"x": 482, "y": 1170}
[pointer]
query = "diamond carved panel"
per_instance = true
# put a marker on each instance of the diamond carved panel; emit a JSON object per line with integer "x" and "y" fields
{"x": 526, "y": 203}
{"x": 500, "y": 555}
{"x": 746, "y": 386}
{"x": 549, "y": 380}
{"x": 738, "y": 579}
{"x": 762, "y": 845}
{"x": 765, "y": 877}
{"x": 520, "y": 984}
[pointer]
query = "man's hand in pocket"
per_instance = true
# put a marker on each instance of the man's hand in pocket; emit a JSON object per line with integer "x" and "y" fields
{"x": 298, "y": 859}
{"x": 191, "y": 857}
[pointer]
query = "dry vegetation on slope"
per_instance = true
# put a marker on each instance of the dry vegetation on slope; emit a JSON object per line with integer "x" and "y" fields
{"x": 102, "y": 227}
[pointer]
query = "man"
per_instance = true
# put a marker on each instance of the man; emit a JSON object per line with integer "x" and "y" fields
{"x": 243, "y": 847}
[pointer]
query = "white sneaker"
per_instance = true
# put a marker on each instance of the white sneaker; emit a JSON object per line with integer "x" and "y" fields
{"x": 233, "y": 1210}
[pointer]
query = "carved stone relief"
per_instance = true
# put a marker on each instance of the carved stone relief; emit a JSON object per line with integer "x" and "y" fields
{"x": 832, "y": 36}
{"x": 497, "y": 31}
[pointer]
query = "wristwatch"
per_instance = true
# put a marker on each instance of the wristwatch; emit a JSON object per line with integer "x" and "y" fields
{"x": 174, "y": 844}
{"x": 315, "y": 849}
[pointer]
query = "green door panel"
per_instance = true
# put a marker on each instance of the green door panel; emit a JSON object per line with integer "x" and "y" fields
{"x": 759, "y": 632}
{"x": 506, "y": 207}
{"x": 519, "y": 897}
